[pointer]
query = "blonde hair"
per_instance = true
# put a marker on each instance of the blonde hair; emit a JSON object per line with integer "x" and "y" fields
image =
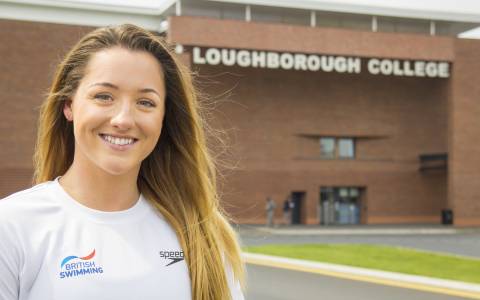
{"x": 178, "y": 177}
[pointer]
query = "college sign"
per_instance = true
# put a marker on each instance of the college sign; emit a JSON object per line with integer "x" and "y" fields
{"x": 324, "y": 63}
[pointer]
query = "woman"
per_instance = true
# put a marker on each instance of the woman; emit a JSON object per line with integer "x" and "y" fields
{"x": 125, "y": 205}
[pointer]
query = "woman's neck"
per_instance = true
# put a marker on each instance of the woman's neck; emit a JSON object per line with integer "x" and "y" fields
{"x": 97, "y": 189}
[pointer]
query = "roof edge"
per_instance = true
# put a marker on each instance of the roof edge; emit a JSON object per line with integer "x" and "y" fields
{"x": 81, "y": 15}
{"x": 93, "y": 6}
{"x": 359, "y": 8}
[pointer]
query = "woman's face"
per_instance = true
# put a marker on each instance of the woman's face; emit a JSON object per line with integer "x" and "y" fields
{"x": 117, "y": 110}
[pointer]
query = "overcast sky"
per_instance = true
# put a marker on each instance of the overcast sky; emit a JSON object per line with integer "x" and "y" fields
{"x": 459, "y": 6}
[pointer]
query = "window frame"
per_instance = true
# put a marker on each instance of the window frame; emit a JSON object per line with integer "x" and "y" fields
{"x": 336, "y": 148}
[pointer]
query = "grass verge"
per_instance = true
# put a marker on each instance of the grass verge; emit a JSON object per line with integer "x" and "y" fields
{"x": 386, "y": 258}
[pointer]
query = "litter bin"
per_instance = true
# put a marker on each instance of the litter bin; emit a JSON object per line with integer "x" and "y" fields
{"x": 447, "y": 217}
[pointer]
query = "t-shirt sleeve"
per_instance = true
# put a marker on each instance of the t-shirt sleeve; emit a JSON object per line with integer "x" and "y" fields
{"x": 233, "y": 284}
{"x": 9, "y": 264}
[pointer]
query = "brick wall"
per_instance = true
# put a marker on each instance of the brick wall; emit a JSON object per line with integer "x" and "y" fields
{"x": 267, "y": 110}
{"x": 28, "y": 55}
{"x": 464, "y": 129}
{"x": 267, "y": 113}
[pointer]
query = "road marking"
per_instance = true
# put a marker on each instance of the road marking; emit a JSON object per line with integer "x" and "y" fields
{"x": 389, "y": 282}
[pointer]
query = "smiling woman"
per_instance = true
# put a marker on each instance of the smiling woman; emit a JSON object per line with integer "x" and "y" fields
{"x": 123, "y": 176}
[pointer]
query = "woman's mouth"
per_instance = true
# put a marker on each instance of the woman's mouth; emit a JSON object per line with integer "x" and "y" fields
{"x": 118, "y": 142}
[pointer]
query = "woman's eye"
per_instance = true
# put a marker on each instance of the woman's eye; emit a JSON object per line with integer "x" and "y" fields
{"x": 146, "y": 103}
{"x": 103, "y": 97}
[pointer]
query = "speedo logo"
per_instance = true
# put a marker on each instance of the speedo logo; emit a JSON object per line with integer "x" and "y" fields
{"x": 173, "y": 257}
{"x": 73, "y": 266}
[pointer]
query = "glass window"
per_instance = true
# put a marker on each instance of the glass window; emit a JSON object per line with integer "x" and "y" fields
{"x": 354, "y": 192}
{"x": 327, "y": 147}
{"x": 345, "y": 148}
{"x": 343, "y": 192}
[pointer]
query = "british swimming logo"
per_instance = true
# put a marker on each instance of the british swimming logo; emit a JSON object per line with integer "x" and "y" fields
{"x": 74, "y": 266}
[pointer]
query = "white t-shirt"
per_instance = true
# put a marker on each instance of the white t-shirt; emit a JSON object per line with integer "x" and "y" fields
{"x": 52, "y": 247}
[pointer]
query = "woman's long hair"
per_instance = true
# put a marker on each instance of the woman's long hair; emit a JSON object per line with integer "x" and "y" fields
{"x": 178, "y": 177}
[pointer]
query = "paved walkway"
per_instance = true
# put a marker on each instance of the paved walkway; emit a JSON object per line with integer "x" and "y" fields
{"x": 359, "y": 230}
{"x": 441, "y": 239}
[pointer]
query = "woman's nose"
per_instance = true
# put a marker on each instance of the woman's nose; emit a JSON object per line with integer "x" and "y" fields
{"x": 124, "y": 117}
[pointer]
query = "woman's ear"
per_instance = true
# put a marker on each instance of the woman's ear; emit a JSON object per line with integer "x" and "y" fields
{"x": 67, "y": 110}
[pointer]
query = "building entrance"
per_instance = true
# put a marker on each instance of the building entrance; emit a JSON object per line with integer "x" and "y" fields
{"x": 339, "y": 205}
{"x": 297, "y": 198}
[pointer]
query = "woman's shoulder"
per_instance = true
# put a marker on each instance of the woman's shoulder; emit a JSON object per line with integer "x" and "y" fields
{"x": 22, "y": 216}
{"x": 25, "y": 200}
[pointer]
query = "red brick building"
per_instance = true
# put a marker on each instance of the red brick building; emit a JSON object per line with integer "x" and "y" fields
{"x": 360, "y": 119}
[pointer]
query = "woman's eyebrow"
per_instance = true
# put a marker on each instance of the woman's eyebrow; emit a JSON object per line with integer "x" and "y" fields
{"x": 106, "y": 84}
{"x": 111, "y": 85}
{"x": 149, "y": 90}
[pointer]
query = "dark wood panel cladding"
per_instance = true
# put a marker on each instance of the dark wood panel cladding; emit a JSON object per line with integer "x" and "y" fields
{"x": 208, "y": 32}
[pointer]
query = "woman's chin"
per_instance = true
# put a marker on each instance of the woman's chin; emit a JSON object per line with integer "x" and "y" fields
{"x": 117, "y": 170}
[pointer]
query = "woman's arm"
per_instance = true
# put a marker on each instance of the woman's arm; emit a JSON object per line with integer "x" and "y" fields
{"x": 9, "y": 264}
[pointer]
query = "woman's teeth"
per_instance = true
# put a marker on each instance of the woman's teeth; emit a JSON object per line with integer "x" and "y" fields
{"x": 118, "y": 141}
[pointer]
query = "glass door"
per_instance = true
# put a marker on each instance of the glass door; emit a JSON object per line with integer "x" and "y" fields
{"x": 339, "y": 205}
